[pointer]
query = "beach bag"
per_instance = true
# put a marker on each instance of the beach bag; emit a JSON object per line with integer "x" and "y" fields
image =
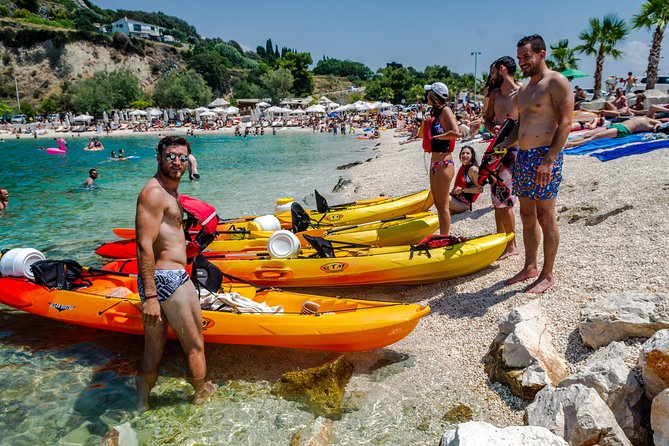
{"x": 59, "y": 274}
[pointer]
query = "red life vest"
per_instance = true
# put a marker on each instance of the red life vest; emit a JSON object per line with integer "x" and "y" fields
{"x": 205, "y": 214}
{"x": 492, "y": 157}
{"x": 427, "y": 136}
{"x": 461, "y": 181}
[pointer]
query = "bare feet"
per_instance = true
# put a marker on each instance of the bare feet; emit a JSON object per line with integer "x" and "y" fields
{"x": 509, "y": 252}
{"x": 541, "y": 285}
{"x": 208, "y": 390}
{"x": 524, "y": 274}
{"x": 143, "y": 391}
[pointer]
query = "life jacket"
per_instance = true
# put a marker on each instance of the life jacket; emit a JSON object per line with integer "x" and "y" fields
{"x": 205, "y": 214}
{"x": 428, "y": 137}
{"x": 462, "y": 180}
{"x": 492, "y": 157}
{"x": 434, "y": 241}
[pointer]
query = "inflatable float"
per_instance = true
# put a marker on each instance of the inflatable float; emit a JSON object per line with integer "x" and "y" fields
{"x": 62, "y": 148}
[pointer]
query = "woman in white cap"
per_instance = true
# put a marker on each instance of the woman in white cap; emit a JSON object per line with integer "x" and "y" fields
{"x": 440, "y": 130}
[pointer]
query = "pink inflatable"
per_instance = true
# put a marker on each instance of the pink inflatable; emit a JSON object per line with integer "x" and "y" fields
{"x": 62, "y": 148}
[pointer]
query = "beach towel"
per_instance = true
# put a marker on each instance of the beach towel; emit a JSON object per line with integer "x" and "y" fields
{"x": 605, "y": 143}
{"x": 634, "y": 149}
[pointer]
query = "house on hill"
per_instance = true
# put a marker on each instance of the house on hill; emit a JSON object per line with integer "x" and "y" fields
{"x": 135, "y": 28}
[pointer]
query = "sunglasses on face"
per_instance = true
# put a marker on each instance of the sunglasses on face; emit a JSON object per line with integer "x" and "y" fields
{"x": 172, "y": 156}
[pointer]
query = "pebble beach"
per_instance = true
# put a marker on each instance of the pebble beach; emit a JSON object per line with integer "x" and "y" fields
{"x": 614, "y": 237}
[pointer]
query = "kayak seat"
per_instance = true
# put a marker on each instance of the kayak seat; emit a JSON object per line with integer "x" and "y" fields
{"x": 323, "y": 247}
{"x": 301, "y": 220}
{"x": 321, "y": 203}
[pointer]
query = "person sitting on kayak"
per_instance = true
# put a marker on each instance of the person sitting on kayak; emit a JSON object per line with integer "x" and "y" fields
{"x": 465, "y": 190}
{"x": 168, "y": 295}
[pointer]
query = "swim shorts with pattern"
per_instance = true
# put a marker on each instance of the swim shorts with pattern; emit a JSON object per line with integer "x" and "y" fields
{"x": 525, "y": 172}
{"x": 501, "y": 187}
{"x": 167, "y": 282}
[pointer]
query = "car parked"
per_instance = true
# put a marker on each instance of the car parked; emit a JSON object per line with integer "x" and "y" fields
{"x": 19, "y": 119}
{"x": 662, "y": 84}
{"x": 590, "y": 93}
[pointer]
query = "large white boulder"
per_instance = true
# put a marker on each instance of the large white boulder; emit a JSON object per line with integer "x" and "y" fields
{"x": 654, "y": 363}
{"x": 607, "y": 373}
{"x": 577, "y": 414}
{"x": 659, "y": 418}
{"x": 476, "y": 433}
{"x": 522, "y": 356}
{"x": 616, "y": 317}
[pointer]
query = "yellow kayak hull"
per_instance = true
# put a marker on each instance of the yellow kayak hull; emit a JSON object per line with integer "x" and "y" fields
{"x": 394, "y": 265}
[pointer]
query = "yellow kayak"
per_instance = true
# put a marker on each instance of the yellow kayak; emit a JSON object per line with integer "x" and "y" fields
{"x": 391, "y": 265}
{"x": 400, "y": 231}
{"x": 367, "y": 210}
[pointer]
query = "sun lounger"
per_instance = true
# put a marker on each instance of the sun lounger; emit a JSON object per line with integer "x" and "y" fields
{"x": 59, "y": 129}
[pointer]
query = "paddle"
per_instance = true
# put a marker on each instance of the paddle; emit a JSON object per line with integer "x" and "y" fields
{"x": 387, "y": 220}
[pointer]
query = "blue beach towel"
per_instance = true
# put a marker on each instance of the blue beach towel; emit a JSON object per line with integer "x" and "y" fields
{"x": 605, "y": 143}
{"x": 634, "y": 149}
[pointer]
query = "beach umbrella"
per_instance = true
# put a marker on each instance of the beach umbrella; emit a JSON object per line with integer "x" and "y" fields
{"x": 67, "y": 121}
{"x": 341, "y": 108}
{"x": 166, "y": 117}
{"x": 218, "y": 102}
{"x": 82, "y": 118}
{"x": 297, "y": 111}
{"x": 116, "y": 120}
{"x": 136, "y": 113}
{"x": 315, "y": 109}
{"x": 181, "y": 115}
{"x": 207, "y": 114}
{"x": 232, "y": 110}
{"x": 201, "y": 109}
{"x": 105, "y": 117}
{"x": 574, "y": 74}
{"x": 219, "y": 110}
{"x": 262, "y": 104}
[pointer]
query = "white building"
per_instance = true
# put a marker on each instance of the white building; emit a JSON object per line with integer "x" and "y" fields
{"x": 134, "y": 28}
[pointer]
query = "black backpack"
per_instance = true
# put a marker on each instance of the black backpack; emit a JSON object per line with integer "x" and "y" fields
{"x": 59, "y": 274}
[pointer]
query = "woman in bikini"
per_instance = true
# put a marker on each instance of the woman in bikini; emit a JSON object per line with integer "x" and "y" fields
{"x": 439, "y": 132}
{"x": 466, "y": 189}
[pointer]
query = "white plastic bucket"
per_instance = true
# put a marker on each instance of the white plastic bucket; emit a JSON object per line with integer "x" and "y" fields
{"x": 16, "y": 262}
{"x": 267, "y": 223}
{"x": 283, "y": 205}
{"x": 283, "y": 244}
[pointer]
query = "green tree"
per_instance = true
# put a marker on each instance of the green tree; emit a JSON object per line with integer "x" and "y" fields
{"x": 4, "y": 108}
{"x": 387, "y": 94}
{"x": 277, "y": 84}
{"x": 205, "y": 59}
{"x": 353, "y": 71}
{"x": 105, "y": 91}
{"x": 298, "y": 65}
{"x": 562, "y": 57}
{"x": 247, "y": 90}
{"x": 600, "y": 41}
{"x": 48, "y": 105}
{"x": 415, "y": 94}
{"x": 393, "y": 76}
{"x": 181, "y": 89}
{"x": 140, "y": 104}
{"x": 653, "y": 14}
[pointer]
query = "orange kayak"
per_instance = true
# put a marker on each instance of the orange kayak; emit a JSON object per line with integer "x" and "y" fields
{"x": 112, "y": 303}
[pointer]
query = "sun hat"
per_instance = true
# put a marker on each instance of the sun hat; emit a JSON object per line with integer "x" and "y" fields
{"x": 438, "y": 88}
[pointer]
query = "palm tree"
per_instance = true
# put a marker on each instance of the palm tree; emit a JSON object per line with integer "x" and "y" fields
{"x": 654, "y": 13}
{"x": 562, "y": 57}
{"x": 601, "y": 40}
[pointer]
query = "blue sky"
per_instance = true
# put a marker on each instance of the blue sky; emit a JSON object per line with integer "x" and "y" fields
{"x": 409, "y": 32}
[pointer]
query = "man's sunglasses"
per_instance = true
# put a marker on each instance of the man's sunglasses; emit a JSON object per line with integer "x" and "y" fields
{"x": 173, "y": 156}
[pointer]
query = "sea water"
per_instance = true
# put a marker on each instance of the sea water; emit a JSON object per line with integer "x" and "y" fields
{"x": 64, "y": 384}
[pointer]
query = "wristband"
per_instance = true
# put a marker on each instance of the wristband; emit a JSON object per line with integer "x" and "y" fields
{"x": 152, "y": 296}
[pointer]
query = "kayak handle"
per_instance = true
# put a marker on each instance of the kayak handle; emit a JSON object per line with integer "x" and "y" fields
{"x": 273, "y": 273}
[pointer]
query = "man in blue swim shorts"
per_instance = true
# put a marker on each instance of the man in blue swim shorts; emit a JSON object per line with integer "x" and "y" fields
{"x": 545, "y": 106}
{"x": 167, "y": 293}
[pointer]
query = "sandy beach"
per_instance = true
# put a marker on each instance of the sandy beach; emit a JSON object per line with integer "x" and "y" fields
{"x": 624, "y": 252}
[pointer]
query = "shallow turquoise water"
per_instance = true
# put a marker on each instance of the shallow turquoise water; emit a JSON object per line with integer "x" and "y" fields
{"x": 63, "y": 384}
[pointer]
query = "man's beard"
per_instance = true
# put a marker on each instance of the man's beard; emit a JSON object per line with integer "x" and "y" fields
{"x": 169, "y": 173}
{"x": 534, "y": 69}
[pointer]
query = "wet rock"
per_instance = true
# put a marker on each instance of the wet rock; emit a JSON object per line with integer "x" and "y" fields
{"x": 318, "y": 433}
{"x": 578, "y": 414}
{"x": 349, "y": 165}
{"x": 458, "y": 414}
{"x": 522, "y": 355}
{"x": 614, "y": 382}
{"x": 341, "y": 184}
{"x": 320, "y": 388}
{"x": 616, "y": 317}
{"x": 659, "y": 418}
{"x": 654, "y": 363}
{"x": 122, "y": 435}
{"x": 476, "y": 433}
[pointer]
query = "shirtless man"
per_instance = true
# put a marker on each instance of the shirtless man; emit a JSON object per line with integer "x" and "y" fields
{"x": 193, "y": 173}
{"x": 90, "y": 181}
{"x": 545, "y": 107}
{"x": 638, "y": 124}
{"x": 168, "y": 296}
{"x": 502, "y": 104}
{"x": 619, "y": 106}
{"x": 4, "y": 198}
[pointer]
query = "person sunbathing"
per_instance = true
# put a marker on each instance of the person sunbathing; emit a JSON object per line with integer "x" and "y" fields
{"x": 637, "y": 124}
{"x": 619, "y": 107}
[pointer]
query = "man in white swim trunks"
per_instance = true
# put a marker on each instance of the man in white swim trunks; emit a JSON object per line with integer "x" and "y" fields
{"x": 168, "y": 296}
